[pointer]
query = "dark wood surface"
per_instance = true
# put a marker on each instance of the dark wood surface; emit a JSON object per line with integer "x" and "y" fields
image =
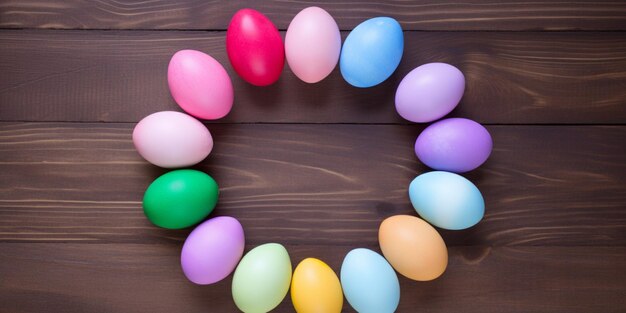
{"x": 315, "y": 167}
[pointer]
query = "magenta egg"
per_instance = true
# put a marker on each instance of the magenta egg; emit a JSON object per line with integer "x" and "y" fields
{"x": 455, "y": 145}
{"x": 254, "y": 47}
{"x": 212, "y": 250}
{"x": 429, "y": 92}
{"x": 172, "y": 139}
{"x": 200, "y": 84}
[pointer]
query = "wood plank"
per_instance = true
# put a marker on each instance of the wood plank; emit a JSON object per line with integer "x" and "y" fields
{"x": 414, "y": 15}
{"x": 312, "y": 184}
{"x": 121, "y": 76}
{"x": 147, "y": 278}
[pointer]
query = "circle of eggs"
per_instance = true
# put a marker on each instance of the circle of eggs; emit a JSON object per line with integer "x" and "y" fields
{"x": 429, "y": 92}
{"x": 447, "y": 200}
{"x": 172, "y": 139}
{"x": 315, "y": 288}
{"x": 455, "y": 145}
{"x": 261, "y": 280}
{"x": 372, "y": 52}
{"x": 312, "y": 44}
{"x": 180, "y": 198}
{"x": 369, "y": 283}
{"x": 254, "y": 47}
{"x": 413, "y": 247}
{"x": 200, "y": 84}
{"x": 212, "y": 250}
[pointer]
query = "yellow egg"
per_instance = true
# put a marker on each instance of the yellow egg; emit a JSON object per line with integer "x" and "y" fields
{"x": 413, "y": 247}
{"x": 315, "y": 288}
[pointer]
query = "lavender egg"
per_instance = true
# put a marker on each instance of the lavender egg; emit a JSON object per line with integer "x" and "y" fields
{"x": 455, "y": 145}
{"x": 429, "y": 92}
{"x": 212, "y": 250}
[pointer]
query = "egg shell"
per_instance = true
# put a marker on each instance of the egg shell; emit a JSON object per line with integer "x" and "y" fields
{"x": 455, "y": 145}
{"x": 312, "y": 44}
{"x": 172, "y": 139}
{"x": 212, "y": 250}
{"x": 180, "y": 198}
{"x": 372, "y": 52}
{"x": 200, "y": 84}
{"x": 413, "y": 247}
{"x": 429, "y": 92}
{"x": 447, "y": 200}
{"x": 315, "y": 288}
{"x": 369, "y": 283}
{"x": 262, "y": 278}
{"x": 254, "y": 47}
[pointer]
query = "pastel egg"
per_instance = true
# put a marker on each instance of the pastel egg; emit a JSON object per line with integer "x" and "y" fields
{"x": 447, "y": 200}
{"x": 369, "y": 283}
{"x": 180, "y": 198}
{"x": 262, "y": 278}
{"x": 429, "y": 92}
{"x": 212, "y": 250}
{"x": 200, "y": 84}
{"x": 455, "y": 145}
{"x": 254, "y": 47}
{"x": 315, "y": 288}
{"x": 372, "y": 52}
{"x": 413, "y": 247}
{"x": 312, "y": 44}
{"x": 172, "y": 139}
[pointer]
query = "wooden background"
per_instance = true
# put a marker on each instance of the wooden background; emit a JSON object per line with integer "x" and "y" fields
{"x": 314, "y": 167}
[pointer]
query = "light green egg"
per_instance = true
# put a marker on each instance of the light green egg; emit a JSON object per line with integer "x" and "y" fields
{"x": 262, "y": 278}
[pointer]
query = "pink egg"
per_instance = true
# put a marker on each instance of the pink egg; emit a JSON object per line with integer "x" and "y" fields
{"x": 312, "y": 44}
{"x": 172, "y": 139}
{"x": 212, "y": 250}
{"x": 429, "y": 92}
{"x": 200, "y": 84}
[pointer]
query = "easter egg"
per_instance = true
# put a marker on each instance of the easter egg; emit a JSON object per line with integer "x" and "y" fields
{"x": 413, "y": 247}
{"x": 200, "y": 84}
{"x": 429, "y": 92}
{"x": 315, "y": 288}
{"x": 262, "y": 278}
{"x": 172, "y": 139}
{"x": 372, "y": 52}
{"x": 312, "y": 44}
{"x": 455, "y": 145}
{"x": 254, "y": 47}
{"x": 180, "y": 198}
{"x": 212, "y": 250}
{"x": 369, "y": 283}
{"x": 447, "y": 200}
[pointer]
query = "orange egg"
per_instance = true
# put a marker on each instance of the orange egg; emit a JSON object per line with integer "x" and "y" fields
{"x": 413, "y": 247}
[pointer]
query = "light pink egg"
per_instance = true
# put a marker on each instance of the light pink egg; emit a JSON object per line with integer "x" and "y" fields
{"x": 200, "y": 85}
{"x": 312, "y": 44}
{"x": 172, "y": 139}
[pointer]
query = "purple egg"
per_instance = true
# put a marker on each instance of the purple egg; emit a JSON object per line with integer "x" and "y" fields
{"x": 429, "y": 92}
{"x": 212, "y": 250}
{"x": 455, "y": 145}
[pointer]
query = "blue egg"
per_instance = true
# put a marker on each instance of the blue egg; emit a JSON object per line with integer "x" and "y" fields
{"x": 372, "y": 52}
{"x": 369, "y": 283}
{"x": 447, "y": 200}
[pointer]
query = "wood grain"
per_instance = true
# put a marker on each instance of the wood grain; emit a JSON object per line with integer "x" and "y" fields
{"x": 121, "y": 76}
{"x": 413, "y": 15}
{"x": 312, "y": 184}
{"x": 147, "y": 278}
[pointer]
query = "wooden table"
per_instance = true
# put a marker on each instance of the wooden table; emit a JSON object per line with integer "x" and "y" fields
{"x": 314, "y": 167}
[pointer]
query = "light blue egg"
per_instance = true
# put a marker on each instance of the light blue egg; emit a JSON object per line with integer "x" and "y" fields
{"x": 372, "y": 52}
{"x": 369, "y": 283}
{"x": 447, "y": 200}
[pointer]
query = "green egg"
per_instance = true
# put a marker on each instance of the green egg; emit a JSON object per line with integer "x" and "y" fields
{"x": 180, "y": 199}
